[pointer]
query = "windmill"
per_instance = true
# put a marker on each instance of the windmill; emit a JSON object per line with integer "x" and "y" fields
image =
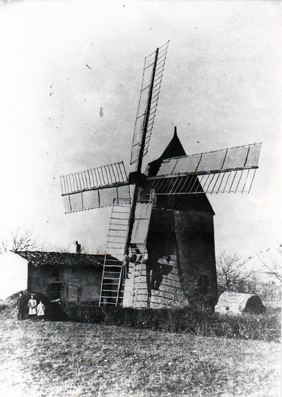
{"x": 161, "y": 223}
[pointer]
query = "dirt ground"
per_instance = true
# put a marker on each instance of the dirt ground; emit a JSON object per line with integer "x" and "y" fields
{"x": 72, "y": 359}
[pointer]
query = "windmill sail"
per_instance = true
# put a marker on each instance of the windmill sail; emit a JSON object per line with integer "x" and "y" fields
{"x": 150, "y": 90}
{"x": 118, "y": 227}
{"x": 95, "y": 188}
{"x": 139, "y": 214}
{"x": 141, "y": 225}
{"x": 148, "y": 101}
{"x": 230, "y": 170}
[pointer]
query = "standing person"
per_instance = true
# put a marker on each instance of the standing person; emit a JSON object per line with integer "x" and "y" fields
{"x": 20, "y": 306}
{"x": 40, "y": 311}
{"x": 32, "y": 307}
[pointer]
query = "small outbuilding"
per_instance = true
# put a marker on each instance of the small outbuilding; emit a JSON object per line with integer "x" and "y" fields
{"x": 68, "y": 276}
{"x": 234, "y": 303}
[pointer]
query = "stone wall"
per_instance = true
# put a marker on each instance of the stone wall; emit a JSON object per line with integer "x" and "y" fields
{"x": 70, "y": 283}
{"x": 138, "y": 291}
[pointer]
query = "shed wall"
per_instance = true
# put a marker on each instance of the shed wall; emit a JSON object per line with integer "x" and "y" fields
{"x": 71, "y": 283}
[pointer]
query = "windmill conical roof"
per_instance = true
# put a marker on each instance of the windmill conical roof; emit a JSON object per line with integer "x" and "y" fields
{"x": 193, "y": 202}
{"x": 173, "y": 149}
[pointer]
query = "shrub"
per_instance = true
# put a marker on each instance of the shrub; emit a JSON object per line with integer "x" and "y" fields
{"x": 82, "y": 312}
{"x": 3, "y": 306}
{"x": 247, "y": 326}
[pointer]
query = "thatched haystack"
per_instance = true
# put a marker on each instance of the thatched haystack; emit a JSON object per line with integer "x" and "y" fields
{"x": 234, "y": 303}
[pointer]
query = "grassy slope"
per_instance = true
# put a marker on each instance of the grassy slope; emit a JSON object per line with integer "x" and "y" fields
{"x": 73, "y": 359}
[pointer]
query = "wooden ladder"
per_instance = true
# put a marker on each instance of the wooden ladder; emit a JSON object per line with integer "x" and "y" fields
{"x": 111, "y": 291}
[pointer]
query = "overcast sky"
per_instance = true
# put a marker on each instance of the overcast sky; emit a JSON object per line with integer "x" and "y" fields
{"x": 62, "y": 61}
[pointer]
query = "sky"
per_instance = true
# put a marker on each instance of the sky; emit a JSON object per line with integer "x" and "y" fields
{"x": 62, "y": 61}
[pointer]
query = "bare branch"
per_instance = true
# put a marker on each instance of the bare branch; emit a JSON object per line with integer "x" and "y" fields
{"x": 21, "y": 240}
{"x": 274, "y": 269}
{"x": 230, "y": 271}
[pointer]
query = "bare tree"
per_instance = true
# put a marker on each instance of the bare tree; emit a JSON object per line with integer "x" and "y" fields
{"x": 21, "y": 240}
{"x": 274, "y": 268}
{"x": 230, "y": 272}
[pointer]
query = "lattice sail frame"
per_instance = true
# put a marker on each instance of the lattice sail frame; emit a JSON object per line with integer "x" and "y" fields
{"x": 107, "y": 175}
{"x": 229, "y": 170}
{"x": 147, "y": 84}
{"x": 95, "y": 188}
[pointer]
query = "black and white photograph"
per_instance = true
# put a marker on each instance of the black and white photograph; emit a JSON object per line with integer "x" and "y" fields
{"x": 140, "y": 208}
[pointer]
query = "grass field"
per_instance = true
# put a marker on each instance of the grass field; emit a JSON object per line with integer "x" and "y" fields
{"x": 74, "y": 359}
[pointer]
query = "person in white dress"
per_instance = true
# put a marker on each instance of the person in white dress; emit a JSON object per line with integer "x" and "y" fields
{"x": 40, "y": 311}
{"x": 32, "y": 304}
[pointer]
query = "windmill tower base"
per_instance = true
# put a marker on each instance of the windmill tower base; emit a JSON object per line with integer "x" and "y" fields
{"x": 180, "y": 269}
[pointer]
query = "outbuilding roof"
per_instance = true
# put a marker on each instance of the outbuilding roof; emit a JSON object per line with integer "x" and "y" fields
{"x": 38, "y": 259}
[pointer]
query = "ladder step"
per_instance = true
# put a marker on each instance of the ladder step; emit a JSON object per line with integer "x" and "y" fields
{"x": 119, "y": 219}
{"x": 119, "y": 224}
{"x": 110, "y": 278}
{"x": 116, "y": 265}
{"x": 110, "y": 235}
{"x": 125, "y": 207}
{"x": 127, "y": 210}
{"x": 113, "y": 266}
{"x": 117, "y": 230}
